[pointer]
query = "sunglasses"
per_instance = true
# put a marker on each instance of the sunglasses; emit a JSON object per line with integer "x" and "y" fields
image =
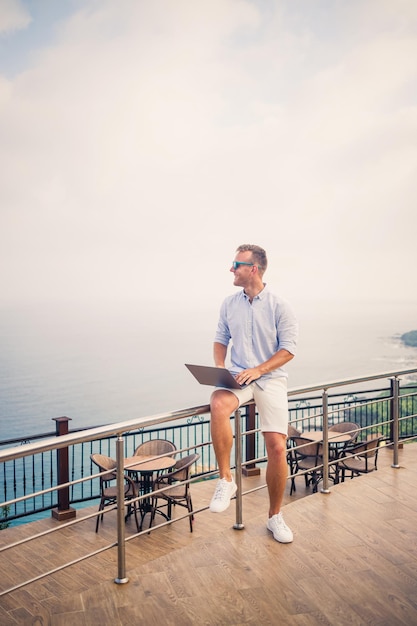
{"x": 236, "y": 264}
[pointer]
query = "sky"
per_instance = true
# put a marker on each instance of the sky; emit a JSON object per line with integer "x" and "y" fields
{"x": 142, "y": 141}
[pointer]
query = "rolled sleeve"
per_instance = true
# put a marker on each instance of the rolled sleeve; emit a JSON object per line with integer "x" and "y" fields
{"x": 287, "y": 329}
{"x": 222, "y": 335}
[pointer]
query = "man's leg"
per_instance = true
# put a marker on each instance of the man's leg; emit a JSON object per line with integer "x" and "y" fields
{"x": 277, "y": 470}
{"x": 276, "y": 479}
{"x": 223, "y": 404}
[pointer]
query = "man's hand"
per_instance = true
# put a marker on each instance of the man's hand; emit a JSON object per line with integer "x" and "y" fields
{"x": 248, "y": 376}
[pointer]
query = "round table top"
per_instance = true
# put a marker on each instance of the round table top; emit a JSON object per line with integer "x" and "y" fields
{"x": 334, "y": 436}
{"x": 142, "y": 463}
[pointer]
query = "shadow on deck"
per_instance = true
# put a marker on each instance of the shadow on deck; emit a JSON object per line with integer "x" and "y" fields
{"x": 353, "y": 561}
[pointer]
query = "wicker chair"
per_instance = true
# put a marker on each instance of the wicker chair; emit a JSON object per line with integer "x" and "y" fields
{"x": 108, "y": 493}
{"x": 155, "y": 447}
{"x": 361, "y": 458}
{"x": 308, "y": 458}
{"x": 336, "y": 450}
{"x": 178, "y": 491}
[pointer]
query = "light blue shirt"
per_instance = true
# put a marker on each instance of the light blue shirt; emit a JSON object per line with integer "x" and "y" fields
{"x": 257, "y": 331}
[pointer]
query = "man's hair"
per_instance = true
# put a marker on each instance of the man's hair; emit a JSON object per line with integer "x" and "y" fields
{"x": 258, "y": 255}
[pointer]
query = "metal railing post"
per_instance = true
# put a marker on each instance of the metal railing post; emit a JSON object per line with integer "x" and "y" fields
{"x": 395, "y": 386}
{"x": 121, "y": 552}
{"x": 325, "y": 405}
{"x": 391, "y": 409}
{"x": 238, "y": 473}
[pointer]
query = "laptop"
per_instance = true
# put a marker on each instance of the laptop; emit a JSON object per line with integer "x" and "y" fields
{"x": 214, "y": 376}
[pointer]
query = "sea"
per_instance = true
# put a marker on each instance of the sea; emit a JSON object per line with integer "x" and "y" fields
{"x": 100, "y": 363}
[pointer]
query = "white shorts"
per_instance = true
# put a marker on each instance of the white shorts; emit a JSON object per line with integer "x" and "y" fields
{"x": 271, "y": 402}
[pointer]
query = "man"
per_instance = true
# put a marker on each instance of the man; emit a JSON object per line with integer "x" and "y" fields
{"x": 263, "y": 331}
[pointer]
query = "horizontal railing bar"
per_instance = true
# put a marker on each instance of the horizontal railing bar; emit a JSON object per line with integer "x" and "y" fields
{"x": 406, "y": 417}
{"x": 126, "y": 426}
{"x": 58, "y": 569}
{"x": 55, "y": 529}
{"x": 51, "y": 433}
{"x": 147, "y": 531}
{"x": 28, "y": 438}
{"x": 332, "y": 400}
{"x": 351, "y": 407}
{"x": 350, "y": 381}
{"x": 93, "y": 434}
{"x": 362, "y": 405}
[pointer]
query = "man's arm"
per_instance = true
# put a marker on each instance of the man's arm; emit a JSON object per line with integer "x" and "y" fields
{"x": 219, "y": 354}
{"x": 277, "y": 360}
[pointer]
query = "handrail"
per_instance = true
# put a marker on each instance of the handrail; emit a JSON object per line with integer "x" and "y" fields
{"x": 92, "y": 434}
{"x": 350, "y": 381}
{"x": 117, "y": 428}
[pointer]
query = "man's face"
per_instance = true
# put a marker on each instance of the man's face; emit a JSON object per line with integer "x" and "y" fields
{"x": 242, "y": 273}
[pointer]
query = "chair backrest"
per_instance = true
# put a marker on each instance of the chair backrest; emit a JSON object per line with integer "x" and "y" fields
{"x": 176, "y": 477}
{"x": 181, "y": 469}
{"x": 367, "y": 448}
{"x": 104, "y": 463}
{"x": 180, "y": 472}
{"x": 306, "y": 448}
{"x": 293, "y": 432}
{"x": 366, "y": 452}
{"x": 155, "y": 447}
{"x": 346, "y": 427}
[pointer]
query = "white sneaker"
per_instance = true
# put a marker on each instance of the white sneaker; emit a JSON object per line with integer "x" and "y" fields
{"x": 279, "y": 529}
{"x": 225, "y": 490}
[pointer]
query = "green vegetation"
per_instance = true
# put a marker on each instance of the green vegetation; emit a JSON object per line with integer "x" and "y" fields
{"x": 372, "y": 415}
{"x": 3, "y": 517}
{"x": 410, "y": 338}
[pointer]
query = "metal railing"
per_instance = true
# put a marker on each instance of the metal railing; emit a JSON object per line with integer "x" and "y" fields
{"x": 319, "y": 413}
{"x": 28, "y": 475}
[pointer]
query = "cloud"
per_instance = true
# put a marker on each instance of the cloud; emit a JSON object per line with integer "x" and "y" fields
{"x": 13, "y": 16}
{"x": 147, "y": 140}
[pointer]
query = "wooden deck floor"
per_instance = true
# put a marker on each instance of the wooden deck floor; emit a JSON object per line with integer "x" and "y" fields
{"x": 353, "y": 561}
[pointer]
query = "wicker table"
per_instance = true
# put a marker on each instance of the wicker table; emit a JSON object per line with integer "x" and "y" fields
{"x": 147, "y": 466}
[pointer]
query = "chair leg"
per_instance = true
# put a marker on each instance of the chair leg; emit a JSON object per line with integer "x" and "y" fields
{"x": 153, "y": 511}
{"x": 100, "y": 517}
{"x": 336, "y": 474}
{"x": 135, "y": 511}
{"x": 314, "y": 481}
{"x": 190, "y": 508}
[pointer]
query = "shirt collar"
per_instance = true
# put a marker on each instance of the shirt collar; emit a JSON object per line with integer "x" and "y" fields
{"x": 260, "y": 295}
